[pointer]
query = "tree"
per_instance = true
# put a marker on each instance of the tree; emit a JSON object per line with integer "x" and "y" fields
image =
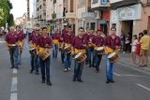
{"x": 10, "y": 20}
{"x": 6, "y": 6}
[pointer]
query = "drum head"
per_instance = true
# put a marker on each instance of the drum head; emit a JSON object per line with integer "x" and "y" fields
{"x": 100, "y": 48}
{"x": 112, "y": 54}
{"x": 67, "y": 47}
{"x": 79, "y": 54}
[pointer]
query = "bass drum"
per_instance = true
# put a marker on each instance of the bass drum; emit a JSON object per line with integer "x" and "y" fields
{"x": 113, "y": 57}
{"x": 80, "y": 57}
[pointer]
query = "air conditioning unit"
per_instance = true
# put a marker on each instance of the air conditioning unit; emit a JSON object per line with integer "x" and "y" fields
{"x": 97, "y": 14}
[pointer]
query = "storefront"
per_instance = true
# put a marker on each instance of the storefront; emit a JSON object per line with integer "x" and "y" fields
{"x": 128, "y": 18}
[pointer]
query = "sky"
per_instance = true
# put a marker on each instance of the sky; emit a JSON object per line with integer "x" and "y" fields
{"x": 20, "y": 7}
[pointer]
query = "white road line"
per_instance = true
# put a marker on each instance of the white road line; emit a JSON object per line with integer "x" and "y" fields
{"x": 14, "y": 96}
{"x": 14, "y": 90}
{"x": 132, "y": 75}
{"x": 14, "y": 84}
{"x": 15, "y": 71}
{"x": 117, "y": 74}
{"x": 144, "y": 87}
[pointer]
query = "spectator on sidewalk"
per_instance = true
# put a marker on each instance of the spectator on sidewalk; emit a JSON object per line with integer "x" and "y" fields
{"x": 133, "y": 50}
{"x": 127, "y": 43}
{"x": 122, "y": 37}
{"x": 145, "y": 43}
{"x": 138, "y": 47}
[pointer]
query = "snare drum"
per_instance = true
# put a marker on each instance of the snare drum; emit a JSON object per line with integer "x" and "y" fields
{"x": 113, "y": 57}
{"x": 80, "y": 57}
{"x": 100, "y": 50}
{"x": 68, "y": 49}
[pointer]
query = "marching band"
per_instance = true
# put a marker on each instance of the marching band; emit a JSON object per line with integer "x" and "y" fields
{"x": 87, "y": 47}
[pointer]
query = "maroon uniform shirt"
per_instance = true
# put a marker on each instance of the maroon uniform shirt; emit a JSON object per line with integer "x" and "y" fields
{"x": 67, "y": 38}
{"x": 78, "y": 43}
{"x": 20, "y": 35}
{"x": 11, "y": 38}
{"x": 34, "y": 38}
{"x": 42, "y": 41}
{"x": 98, "y": 41}
{"x": 112, "y": 42}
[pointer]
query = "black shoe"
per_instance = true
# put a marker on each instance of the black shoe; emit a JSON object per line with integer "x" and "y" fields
{"x": 79, "y": 80}
{"x": 17, "y": 67}
{"x": 112, "y": 81}
{"x": 108, "y": 81}
{"x": 49, "y": 83}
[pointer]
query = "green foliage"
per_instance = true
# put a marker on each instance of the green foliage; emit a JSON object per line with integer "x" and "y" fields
{"x": 10, "y": 20}
{"x": 6, "y": 6}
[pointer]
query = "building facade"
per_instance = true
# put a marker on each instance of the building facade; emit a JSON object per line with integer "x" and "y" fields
{"x": 102, "y": 12}
{"x": 132, "y": 16}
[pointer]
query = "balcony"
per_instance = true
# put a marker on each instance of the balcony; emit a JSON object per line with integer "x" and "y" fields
{"x": 88, "y": 15}
{"x": 70, "y": 15}
{"x": 120, "y": 3}
{"x": 100, "y": 4}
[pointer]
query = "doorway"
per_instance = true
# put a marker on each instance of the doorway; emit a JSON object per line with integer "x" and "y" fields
{"x": 127, "y": 27}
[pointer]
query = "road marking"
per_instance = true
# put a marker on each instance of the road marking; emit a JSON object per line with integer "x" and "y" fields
{"x": 144, "y": 87}
{"x": 117, "y": 74}
{"x": 132, "y": 75}
{"x": 15, "y": 71}
{"x": 13, "y": 96}
{"x": 14, "y": 83}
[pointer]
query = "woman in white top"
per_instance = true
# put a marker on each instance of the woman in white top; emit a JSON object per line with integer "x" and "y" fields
{"x": 133, "y": 50}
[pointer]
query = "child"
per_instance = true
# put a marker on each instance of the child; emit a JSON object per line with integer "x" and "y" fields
{"x": 133, "y": 50}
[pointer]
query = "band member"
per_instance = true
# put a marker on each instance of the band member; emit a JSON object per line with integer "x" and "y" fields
{"x": 67, "y": 39}
{"x": 11, "y": 40}
{"x": 98, "y": 41}
{"x": 85, "y": 36}
{"x": 90, "y": 48}
{"x": 55, "y": 38}
{"x": 20, "y": 42}
{"x": 112, "y": 43}
{"x": 45, "y": 43}
{"x": 79, "y": 45}
{"x": 33, "y": 44}
{"x": 61, "y": 43}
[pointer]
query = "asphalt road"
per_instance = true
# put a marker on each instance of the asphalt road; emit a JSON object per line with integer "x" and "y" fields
{"x": 129, "y": 84}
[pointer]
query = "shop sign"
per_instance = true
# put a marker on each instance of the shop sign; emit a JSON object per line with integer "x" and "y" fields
{"x": 129, "y": 13}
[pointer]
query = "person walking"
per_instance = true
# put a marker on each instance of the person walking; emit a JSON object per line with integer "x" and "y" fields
{"x": 11, "y": 41}
{"x": 45, "y": 45}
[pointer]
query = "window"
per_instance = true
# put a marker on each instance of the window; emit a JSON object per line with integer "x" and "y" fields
{"x": 71, "y": 6}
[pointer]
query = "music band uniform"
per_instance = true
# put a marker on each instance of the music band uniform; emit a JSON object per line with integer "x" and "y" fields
{"x": 112, "y": 43}
{"x": 45, "y": 43}
{"x": 98, "y": 41}
{"x": 11, "y": 40}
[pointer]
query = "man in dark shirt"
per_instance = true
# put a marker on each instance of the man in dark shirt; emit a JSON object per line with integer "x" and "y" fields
{"x": 114, "y": 43}
{"x": 45, "y": 42}
{"x": 98, "y": 41}
{"x": 11, "y": 40}
{"x": 79, "y": 45}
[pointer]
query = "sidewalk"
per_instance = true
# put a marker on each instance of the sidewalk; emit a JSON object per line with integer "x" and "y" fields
{"x": 125, "y": 59}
